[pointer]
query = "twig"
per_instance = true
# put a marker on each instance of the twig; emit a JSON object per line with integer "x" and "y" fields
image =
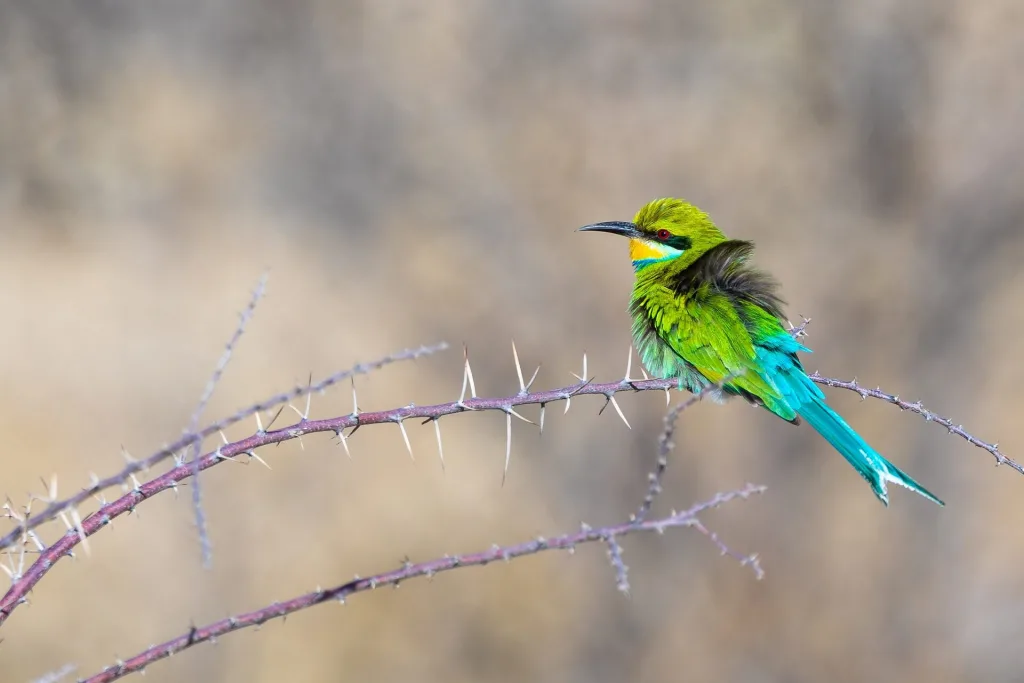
{"x": 211, "y": 386}
{"x": 618, "y": 564}
{"x": 607, "y": 534}
{"x": 56, "y": 675}
{"x": 666, "y": 445}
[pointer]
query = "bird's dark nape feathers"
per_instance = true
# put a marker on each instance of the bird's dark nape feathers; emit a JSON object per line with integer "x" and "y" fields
{"x": 724, "y": 267}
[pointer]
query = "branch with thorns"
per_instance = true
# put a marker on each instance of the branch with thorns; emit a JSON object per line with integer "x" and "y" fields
{"x": 66, "y": 509}
{"x": 189, "y": 463}
{"x": 609, "y": 535}
{"x": 26, "y": 522}
{"x": 79, "y": 529}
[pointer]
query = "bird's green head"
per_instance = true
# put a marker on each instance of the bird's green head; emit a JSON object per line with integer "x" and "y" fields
{"x": 664, "y": 231}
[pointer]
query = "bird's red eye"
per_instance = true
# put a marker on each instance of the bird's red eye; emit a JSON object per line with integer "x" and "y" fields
{"x": 664, "y": 234}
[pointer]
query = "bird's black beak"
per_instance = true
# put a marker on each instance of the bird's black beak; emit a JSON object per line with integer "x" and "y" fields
{"x": 616, "y": 228}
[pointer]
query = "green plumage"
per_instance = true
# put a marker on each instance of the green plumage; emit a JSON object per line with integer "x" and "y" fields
{"x": 703, "y": 315}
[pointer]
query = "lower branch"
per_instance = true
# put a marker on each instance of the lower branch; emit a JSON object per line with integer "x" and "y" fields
{"x": 607, "y": 534}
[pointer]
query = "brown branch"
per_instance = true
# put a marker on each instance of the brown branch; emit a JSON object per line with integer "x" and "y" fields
{"x": 928, "y": 415}
{"x": 27, "y": 523}
{"x": 665, "y": 446}
{"x": 48, "y": 557}
{"x": 607, "y": 534}
{"x": 104, "y": 515}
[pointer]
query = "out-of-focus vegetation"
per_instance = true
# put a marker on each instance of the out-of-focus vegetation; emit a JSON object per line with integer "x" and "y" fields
{"x": 414, "y": 171}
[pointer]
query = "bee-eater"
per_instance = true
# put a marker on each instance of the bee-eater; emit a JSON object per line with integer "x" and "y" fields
{"x": 703, "y": 315}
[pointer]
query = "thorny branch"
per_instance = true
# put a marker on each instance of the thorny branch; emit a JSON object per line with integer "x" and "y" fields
{"x": 81, "y": 529}
{"x": 567, "y": 542}
{"x": 609, "y": 534}
{"x": 928, "y": 415}
{"x": 665, "y": 446}
{"x": 26, "y": 521}
{"x": 23, "y": 580}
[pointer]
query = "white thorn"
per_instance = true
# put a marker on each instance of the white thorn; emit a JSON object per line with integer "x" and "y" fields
{"x": 533, "y": 377}
{"x": 583, "y": 377}
{"x": 81, "y": 530}
{"x": 259, "y": 423}
{"x": 643, "y": 372}
{"x": 309, "y": 398}
{"x": 469, "y": 374}
{"x": 508, "y": 445}
{"x": 513, "y": 412}
{"x": 254, "y": 456}
{"x": 440, "y": 449}
{"x": 355, "y": 400}
{"x": 568, "y": 401}
{"x": 618, "y": 410}
{"x": 223, "y": 437}
{"x": 35, "y": 539}
{"x": 542, "y": 407}
{"x": 221, "y": 456}
{"x": 629, "y": 363}
{"x": 465, "y": 375}
{"x": 519, "y": 368}
{"x": 344, "y": 442}
{"x": 668, "y": 397}
{"x": 405, "y": 437}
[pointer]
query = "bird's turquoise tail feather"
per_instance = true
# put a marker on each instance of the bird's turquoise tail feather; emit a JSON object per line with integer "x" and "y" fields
{"x": 870, "y": 464}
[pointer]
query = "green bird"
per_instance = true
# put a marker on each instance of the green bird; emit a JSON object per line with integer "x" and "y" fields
{"x": 703, "y": 315}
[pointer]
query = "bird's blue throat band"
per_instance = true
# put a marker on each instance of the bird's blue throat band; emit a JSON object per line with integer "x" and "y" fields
{"x": 644, "y": 262}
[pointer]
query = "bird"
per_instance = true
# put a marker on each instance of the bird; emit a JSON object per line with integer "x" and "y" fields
{"x": 703, "y": 315}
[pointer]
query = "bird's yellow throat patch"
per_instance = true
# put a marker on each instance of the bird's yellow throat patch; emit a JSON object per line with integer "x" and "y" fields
{"x": 643, "y": 250}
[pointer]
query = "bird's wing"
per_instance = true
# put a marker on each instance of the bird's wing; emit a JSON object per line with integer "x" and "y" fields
{"x": 711, "y": 336}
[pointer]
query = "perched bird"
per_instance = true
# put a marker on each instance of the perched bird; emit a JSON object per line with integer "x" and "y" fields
{"x": 703, "y": 315}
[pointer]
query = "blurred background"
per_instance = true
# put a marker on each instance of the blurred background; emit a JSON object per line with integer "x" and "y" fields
{"x": 411, "y": 172}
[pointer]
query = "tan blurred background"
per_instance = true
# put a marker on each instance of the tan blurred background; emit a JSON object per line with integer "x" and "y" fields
{"x": 411, "y": 172}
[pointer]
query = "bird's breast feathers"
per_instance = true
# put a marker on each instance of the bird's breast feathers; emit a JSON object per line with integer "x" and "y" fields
{"x": 656, "y": 318}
